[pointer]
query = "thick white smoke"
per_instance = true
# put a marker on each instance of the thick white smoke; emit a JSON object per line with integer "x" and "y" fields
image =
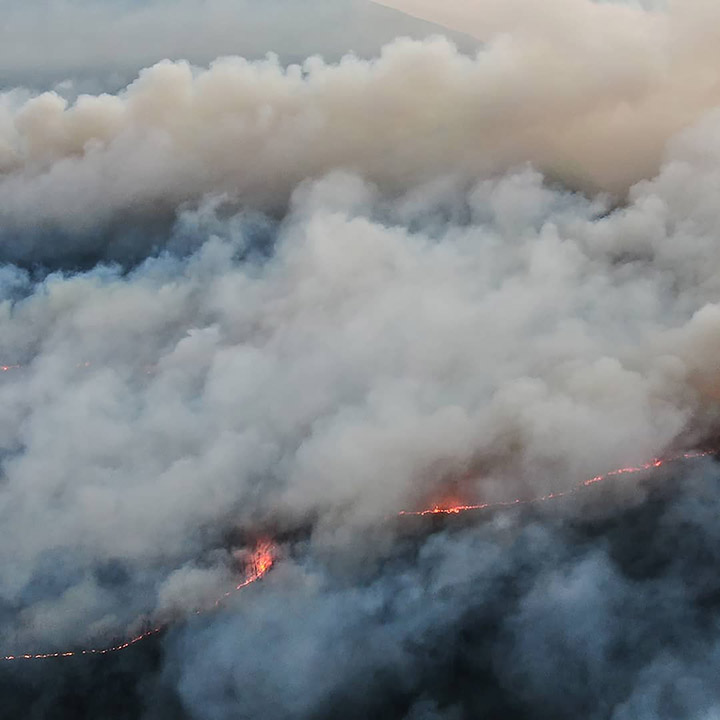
{"x": 593, "y": 108}
{"x": 315, "y": 295}
{"x": 599, "y": 102}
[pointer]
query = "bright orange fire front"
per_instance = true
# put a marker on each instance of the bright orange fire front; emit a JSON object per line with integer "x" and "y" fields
{"x": 453, "y": 507}
{"x": 257, "y": 565}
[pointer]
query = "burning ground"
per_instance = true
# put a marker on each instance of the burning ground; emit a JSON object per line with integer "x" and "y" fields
{"x": 258, "y": 298}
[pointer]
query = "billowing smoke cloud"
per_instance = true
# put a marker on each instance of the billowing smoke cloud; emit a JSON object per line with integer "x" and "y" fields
{"x": 592, "y": 109}
{"x": 256, "y": 298}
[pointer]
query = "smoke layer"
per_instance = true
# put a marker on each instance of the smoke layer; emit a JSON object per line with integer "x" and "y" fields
{"x": 256, "y": 297}
{"x": 593, "y": 108}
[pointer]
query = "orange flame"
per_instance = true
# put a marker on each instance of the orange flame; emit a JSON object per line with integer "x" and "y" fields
{"x": 452, "y": 508}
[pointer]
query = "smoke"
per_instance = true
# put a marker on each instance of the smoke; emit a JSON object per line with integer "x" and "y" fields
{"x": 261, "y": 297}
{"x": 593, "y": 109}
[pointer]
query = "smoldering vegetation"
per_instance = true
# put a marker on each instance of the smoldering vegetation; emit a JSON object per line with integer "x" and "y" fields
{"x": 259, "y": 297}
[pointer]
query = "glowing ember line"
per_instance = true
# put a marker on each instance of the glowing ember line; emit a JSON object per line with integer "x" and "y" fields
{"x": 258, "y": 565}
{"x": 263, "y": 556}
{"x": 656, "y": 463}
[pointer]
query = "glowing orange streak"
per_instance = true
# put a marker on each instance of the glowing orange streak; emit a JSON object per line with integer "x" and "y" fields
{"x": 259, "y": 564}
{"x": 656, "y": 463}
{"x": 262, "y": 558}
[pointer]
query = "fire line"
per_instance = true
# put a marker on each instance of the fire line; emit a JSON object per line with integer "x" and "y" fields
{"x": 260, "y": 562}
{"x": 263, "y": 556}
{"x": 653, "y": 464}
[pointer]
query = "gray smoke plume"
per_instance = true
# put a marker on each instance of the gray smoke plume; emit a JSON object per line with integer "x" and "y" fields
{"x": 259, "y": 297}
{"x": 593, "y": 109}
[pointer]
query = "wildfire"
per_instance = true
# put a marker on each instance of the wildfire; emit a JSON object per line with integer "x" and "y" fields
{"x": 261, "y": 560}
{"x": 257, "y": 566}
{"x": 262, "y": 556}
{"x": 452, "y": 508}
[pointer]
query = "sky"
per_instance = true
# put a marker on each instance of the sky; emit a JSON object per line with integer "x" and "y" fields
{"x": 290, "y": 268}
